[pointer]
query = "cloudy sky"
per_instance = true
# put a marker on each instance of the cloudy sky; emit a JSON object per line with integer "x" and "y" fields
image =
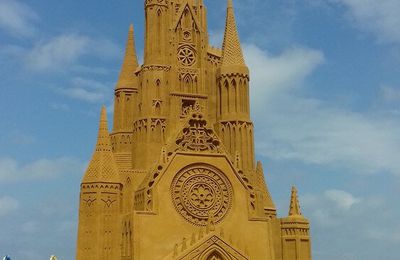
{"x": 325, "y": 100}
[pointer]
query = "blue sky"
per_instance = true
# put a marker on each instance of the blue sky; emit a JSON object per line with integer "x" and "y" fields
{"x": 325, "y": 100}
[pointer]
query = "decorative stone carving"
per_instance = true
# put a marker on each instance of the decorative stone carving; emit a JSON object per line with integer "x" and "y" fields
{"x": 200, "y": 193}
{"x": 186, "y": 56}
{"x": 156, "y": 68}
{"x": 197, "y": 137}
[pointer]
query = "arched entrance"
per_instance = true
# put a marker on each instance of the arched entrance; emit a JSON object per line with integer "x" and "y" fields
{"x": 215, "y": 253}
{"x": 215, "y": 256}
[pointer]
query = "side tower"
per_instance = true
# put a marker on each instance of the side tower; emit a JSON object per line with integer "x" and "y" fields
{"x": 233, "y": 110}
{"x": 125, "y": 106}
{"x": 100, "y": 203}
{"x": 295, "y": 242}
{"x": 233, "y": 124}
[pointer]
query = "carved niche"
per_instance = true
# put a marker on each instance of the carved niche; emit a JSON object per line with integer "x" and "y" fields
{"x": 201, "y": 194}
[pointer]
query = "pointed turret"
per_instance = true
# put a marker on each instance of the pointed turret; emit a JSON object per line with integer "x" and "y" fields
{"x": 294, "y": 210}
{"x": 127, "y": 78}
{"x": 268, "y": 204}
{"x": 232, "y": 50}
{"x": 295, "y": 230}
{"x": 102, "y": 167}
{"x": 233, "y": 102}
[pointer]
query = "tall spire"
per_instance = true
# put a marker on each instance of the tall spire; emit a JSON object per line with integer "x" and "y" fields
{"x": 232, "y": 50}
{"x": 294, "y": 209}
{"x": 102, "y": 167}
{"x": 130, "y": 64}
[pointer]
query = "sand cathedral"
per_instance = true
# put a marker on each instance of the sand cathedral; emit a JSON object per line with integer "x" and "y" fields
{"x": 177, "y": 178}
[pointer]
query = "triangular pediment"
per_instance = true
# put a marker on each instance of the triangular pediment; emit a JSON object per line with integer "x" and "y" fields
{"x": 212, "y": 247}
{"x": 196, "y": 139}
{"x": 186, "y": 8}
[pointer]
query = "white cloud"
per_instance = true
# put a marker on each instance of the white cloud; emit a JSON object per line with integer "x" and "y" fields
{"x": 83, "y": 94}
{"x": 11, "y": 170}
{"x": 17, "y": 137}
{"x": 88, "y": 90}
{"x": 105, "y": 49}
{"x": 17, "y": 18}
{"x": 292, "y": 127}
{"x": 8, "y": 205}
{"x": 65, "y": 50}
{"x": 343, "y": 200}
{"x": 271, "y": 75}
{"x": 57, "y": 52}
{"x": 309, "y": 131}
{"x": 340, "y": 213}
{"x": 333, "y": 207}
{"x": 378, "y": 17}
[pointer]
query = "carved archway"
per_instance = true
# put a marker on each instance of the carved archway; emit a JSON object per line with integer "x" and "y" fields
{"x": 215, "y": 253}
{"x": 215, "y": 256}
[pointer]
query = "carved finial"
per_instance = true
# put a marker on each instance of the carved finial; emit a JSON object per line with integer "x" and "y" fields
{"x": 294, "y": 209}
{"x": 231, "y": 51}
{"x": 129, "y": 65}
{"x": 103, "y": 138}
{"x": 184, "y": 244}
{"x": 102, "y": 167}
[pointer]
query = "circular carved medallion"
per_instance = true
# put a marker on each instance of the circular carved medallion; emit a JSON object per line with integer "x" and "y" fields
{"x": 186, "y": 56}
{"x": 200, "y": 193}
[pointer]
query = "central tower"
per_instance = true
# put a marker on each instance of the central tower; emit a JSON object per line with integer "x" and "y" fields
{"x": 177, "y": 177}
{"x": 173, "y": 76}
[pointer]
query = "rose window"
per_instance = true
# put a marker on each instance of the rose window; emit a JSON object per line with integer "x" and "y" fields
{"x": 202, "y": 196}
{"x": 186, "y": 56}
{"x": 200, "y": 193}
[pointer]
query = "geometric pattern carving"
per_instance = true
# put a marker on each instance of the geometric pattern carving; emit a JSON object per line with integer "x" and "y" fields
{"x": 186, "y": 56}
{"x": 89, "y": 202}
{"x": 108, "y": 201}
{"x": 201, "y": 194}
{"x": 197, "y": 137}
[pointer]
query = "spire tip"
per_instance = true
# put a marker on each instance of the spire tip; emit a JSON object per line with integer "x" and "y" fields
{"x": 294, "y": 203}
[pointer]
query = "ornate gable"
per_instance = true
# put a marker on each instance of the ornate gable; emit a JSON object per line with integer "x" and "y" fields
{"x": 187, "y": 12}
{"x": 211, "y": 247}
{"x": 197, "y": 136}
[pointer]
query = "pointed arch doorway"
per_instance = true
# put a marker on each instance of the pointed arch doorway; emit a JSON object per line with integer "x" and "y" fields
{"x": 215, "y": 254}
